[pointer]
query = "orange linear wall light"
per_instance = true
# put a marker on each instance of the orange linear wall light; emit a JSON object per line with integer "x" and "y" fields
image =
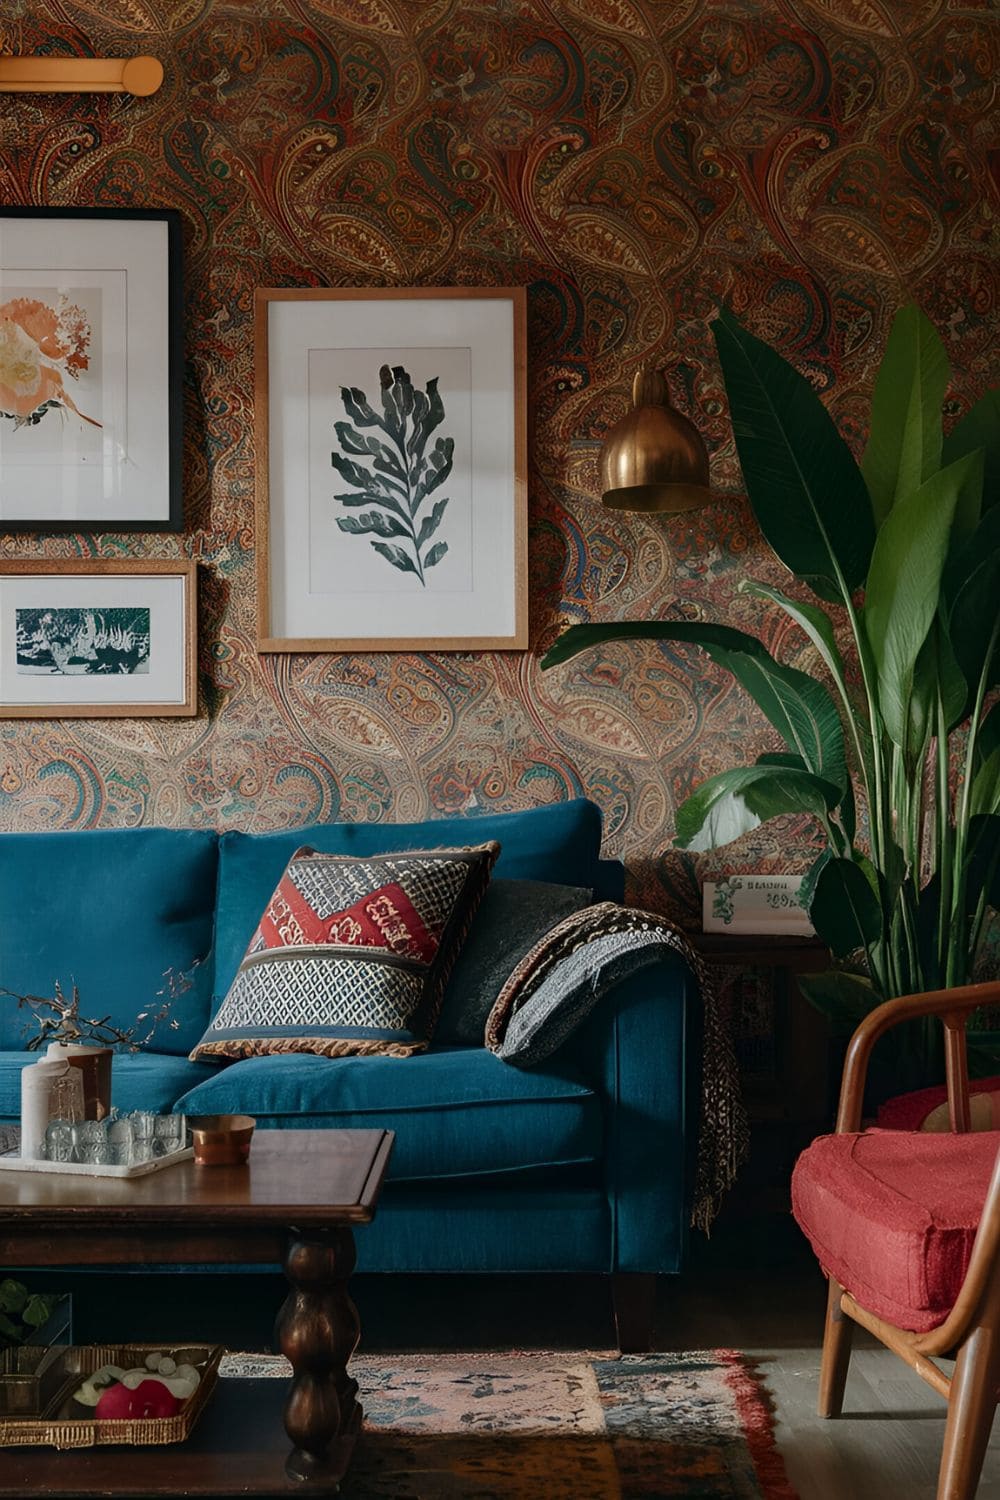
{"x": 80, "y": 75}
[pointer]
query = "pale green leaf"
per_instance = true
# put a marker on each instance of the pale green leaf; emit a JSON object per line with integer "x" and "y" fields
{"x": 904, "y": 444}
{"x": 733, "y": 803}
{"x": 901, "y": 598}
{"x": 815, "y": 622}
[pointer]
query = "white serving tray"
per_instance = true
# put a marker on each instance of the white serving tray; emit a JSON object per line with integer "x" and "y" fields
{"x": 11, "y": 1161}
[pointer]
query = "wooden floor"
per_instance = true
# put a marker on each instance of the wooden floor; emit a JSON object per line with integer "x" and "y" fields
{"x": 757, "y": 1292}
{"x": 887, "y": 1444}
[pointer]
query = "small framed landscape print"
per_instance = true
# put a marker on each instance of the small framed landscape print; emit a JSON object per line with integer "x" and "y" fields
{"x": 90, "y": 370}
{"x": 391, "y": 486}
{"x": 97, "y": 639}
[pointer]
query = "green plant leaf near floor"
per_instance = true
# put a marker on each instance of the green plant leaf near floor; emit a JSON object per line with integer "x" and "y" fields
{"x": 21, "y": 1312}
{"x": 906, "y": 549}
{"x": 397, "y": 472}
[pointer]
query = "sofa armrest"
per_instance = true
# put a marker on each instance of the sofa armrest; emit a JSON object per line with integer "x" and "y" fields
{"x": 641, "y": 1050}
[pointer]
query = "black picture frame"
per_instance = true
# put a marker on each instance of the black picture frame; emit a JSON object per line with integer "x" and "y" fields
{"x": 167, "y": 452}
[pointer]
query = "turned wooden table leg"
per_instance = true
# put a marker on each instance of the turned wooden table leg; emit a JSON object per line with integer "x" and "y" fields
{"x": 317, "y": 1331}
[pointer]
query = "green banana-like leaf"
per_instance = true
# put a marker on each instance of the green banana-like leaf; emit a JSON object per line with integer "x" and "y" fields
{"x": 985, "y": 794}
{"x": 972, "y": 583}
{"x": 979, "y": 428}
{"x": 735, "y": 802}
{"x": 988, "y": 737}
{"x": 904, "y": 584}
{"x": 845, "y": 910}
{"x": 808, "y": 886}
{"x": 982, "y": 863}
{"x": 935, "y": 673}
{"x": 581, "y": 637}
{"x": 808, "y": 494}
{"x": 799, "y": 707}
{"x": 815, "y": 622}
{"x": 845, "y": 999}
{"x": 904, "y": 443}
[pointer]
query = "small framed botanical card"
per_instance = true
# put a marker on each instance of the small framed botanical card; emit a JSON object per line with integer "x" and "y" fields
{"x": 97, "y": 639}
{"x": 90, "y": 370}
{"x": 391, "y": 472}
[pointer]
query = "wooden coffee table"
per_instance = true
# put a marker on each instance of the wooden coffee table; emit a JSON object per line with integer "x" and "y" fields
{"x": 295, "y": 1204}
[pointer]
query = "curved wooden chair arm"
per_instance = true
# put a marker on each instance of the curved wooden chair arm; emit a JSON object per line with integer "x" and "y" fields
{"x": 953, "y": 1008}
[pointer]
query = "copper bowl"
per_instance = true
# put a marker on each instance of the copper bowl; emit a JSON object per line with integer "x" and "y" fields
{"x": 221, "y": 1140}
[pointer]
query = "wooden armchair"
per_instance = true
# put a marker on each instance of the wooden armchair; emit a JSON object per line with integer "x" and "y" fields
{"x": 907, "y": 1229}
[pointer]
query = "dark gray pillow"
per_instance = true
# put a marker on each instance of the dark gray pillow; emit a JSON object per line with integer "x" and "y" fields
{"x": 512, "y": 916}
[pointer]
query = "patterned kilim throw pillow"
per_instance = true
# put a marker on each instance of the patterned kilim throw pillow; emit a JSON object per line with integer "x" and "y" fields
{"x": 352, "y": 954}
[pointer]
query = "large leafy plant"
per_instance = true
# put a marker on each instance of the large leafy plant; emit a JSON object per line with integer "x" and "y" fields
{"x": 906, "y": 548}
{"x": 396, "y": 473}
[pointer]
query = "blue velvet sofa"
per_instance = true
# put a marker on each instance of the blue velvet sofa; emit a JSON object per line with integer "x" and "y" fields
{"x": 582, "y": 1164}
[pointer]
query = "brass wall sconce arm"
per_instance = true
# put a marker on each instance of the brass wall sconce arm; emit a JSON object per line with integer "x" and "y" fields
{"x": 140, "y": 76}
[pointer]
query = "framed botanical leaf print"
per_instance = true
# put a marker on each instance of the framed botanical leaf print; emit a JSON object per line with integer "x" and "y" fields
{"x": 391, "y": 486}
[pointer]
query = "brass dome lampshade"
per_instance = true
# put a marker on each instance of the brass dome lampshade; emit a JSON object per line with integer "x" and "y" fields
{"x": 654, "y": 459}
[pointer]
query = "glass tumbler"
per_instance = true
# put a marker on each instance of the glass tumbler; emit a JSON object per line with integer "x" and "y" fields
{"x": 59, "y": 1140}
{"x": 120, "y": 1142}
{"x": 169, "y": 1133}
{"x": 143, "y": 1124}
{"x": 90, "y": 1142}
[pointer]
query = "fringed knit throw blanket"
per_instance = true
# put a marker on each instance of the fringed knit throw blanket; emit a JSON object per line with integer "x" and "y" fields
{"x": 562, "y": 978}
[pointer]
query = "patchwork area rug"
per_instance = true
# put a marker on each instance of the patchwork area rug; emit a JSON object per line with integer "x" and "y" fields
{"x": 695, "y": 1426}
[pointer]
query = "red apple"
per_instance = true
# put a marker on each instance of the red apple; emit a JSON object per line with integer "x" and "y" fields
{"x": 149, "y": 1399}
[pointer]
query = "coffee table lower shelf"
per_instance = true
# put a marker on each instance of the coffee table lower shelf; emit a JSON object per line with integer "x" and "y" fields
{"x": 238, "y": 1448}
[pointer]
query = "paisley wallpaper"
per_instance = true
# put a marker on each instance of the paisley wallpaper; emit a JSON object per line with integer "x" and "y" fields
{"x": 633, "y": 163}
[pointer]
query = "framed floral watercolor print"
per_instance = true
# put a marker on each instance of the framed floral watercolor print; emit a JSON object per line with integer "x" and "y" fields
{"x": 90, "y": 370}
{"x": 391, "y": 486}
{"x": 97, "y": 639}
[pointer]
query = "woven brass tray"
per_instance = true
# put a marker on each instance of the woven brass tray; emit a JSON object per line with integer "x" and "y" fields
{"x": 64, "y": 1423}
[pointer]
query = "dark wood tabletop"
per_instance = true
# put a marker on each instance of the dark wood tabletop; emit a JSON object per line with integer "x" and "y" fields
{"x": 308, "y": 1176}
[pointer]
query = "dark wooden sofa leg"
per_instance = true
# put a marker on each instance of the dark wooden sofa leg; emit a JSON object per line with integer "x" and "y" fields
{"x": 634, "y": 1297}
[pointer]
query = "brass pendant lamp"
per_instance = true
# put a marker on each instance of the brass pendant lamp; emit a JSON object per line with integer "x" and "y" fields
{"x": 654, "y": 459}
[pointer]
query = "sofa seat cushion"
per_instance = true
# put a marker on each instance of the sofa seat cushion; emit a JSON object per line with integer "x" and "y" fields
{"x": 117, "y": 911}
{"x": 457, "y": 1112}
{"x": 893, "y": 1214}
{"x": 561, "y": 843}
{"x": 139, "y": 1080}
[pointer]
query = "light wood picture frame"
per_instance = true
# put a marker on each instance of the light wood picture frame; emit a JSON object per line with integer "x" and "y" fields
{"x": 391, "y": 469}
{"x": 97, "y": 638}
{"x": 92, "y": 440}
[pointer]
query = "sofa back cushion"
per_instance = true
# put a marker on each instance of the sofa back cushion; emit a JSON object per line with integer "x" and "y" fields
{"x": 113, "y": 911}
{"x": 559, "y": 843}
{"x": 513, "y": 916}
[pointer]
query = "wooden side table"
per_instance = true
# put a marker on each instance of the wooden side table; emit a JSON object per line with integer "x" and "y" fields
{"x": 801, "y": 1089}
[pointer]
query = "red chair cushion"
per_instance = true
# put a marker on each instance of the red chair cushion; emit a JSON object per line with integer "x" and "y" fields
{"x": 909, "y": 1111}
{"x": 892, "y": 1215}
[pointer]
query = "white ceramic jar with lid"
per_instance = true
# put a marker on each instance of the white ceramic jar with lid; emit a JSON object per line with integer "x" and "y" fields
{"x": 38, "y": 1082}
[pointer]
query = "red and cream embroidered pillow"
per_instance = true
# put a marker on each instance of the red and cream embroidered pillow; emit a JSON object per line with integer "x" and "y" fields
{"x": 352, "y": 954}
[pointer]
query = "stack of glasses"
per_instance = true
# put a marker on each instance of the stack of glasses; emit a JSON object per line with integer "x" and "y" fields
{"x": 118, "y": 1141}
